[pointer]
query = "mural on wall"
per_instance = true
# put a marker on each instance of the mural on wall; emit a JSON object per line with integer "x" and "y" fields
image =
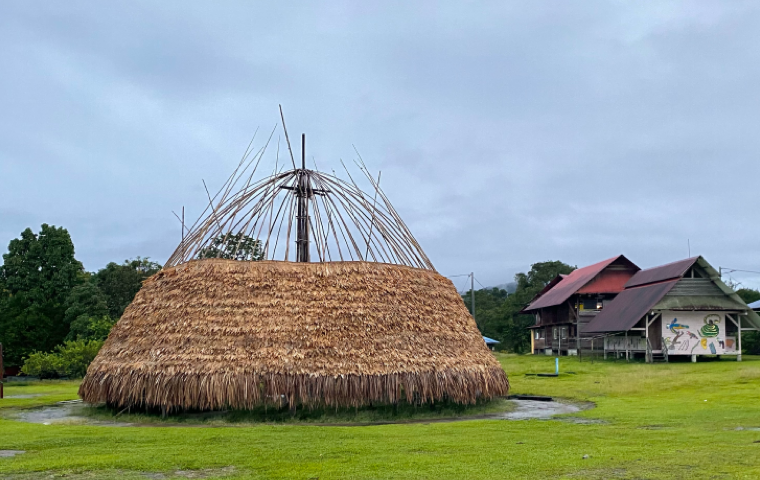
{"x": 700, "y": 333}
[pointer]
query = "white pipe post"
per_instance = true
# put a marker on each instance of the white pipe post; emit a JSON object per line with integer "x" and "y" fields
{"x": 739, "y": 338}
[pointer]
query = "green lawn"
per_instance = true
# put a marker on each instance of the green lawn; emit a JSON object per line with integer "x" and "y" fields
{"x": 653, "y": 421}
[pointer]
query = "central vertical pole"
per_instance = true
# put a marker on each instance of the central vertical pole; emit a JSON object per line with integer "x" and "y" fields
{"x": 302, "y": 223}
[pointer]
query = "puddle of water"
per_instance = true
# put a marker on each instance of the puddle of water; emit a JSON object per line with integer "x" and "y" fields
{"x": 75, "y": 413}
{"x": 62, "y": 413}
{"x": 10, "y": 453}
{"x": 533, "y": 409}
{"x": 52, "y": 414}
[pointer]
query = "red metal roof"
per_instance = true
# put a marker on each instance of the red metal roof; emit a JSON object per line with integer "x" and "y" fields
{"x": 628, "y": 307}
{"x": 662, "y": 273}
{"x": 577, "y": 280}
{"x": 608, "y": 281}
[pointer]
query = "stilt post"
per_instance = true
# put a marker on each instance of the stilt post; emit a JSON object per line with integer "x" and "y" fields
{"x": 739, "y": 338}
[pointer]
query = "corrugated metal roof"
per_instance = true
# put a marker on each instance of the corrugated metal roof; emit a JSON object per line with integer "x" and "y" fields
{"x": 662, "y": 273}
{"x": 490, "y": 340}
{"x": 628, "y": 307}
{"x": 754, "y": 305}
{"x": 647, "y": 291}
{"x": 608, "y": 281}
{"x": 569, "y": 285}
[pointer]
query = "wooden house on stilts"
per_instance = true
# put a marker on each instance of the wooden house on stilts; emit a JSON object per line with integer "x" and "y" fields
{"x": 569, "y": 302}
{"x": 682, "y": 308}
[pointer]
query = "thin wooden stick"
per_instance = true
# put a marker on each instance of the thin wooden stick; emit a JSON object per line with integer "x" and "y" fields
{"x": 287, "y": 140}
{"x": 374, "y": 205}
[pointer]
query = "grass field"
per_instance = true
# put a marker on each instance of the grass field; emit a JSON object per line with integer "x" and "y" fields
{"x": 679, "y": 420}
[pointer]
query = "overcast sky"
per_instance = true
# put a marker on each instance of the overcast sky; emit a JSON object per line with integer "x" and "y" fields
{"x": 508, "y": 133}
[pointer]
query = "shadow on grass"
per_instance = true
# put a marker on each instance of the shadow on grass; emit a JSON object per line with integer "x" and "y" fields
{"x": 368, "y": 415}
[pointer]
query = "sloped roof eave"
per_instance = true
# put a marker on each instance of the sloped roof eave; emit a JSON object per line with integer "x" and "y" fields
{"x": 625, "y": 311}
{"x": 570, "y": 285}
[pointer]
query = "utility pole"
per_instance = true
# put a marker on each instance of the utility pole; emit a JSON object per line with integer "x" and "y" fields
{"x": 472, "y": 297}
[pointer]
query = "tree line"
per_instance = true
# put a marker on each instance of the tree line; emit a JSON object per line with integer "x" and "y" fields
{"x": 49, "y": 305}
{"x": 497, "y": 312}
{"x": 48, "y": 299}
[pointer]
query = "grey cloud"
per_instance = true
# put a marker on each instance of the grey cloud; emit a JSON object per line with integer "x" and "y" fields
{"x": 507, "y": 133}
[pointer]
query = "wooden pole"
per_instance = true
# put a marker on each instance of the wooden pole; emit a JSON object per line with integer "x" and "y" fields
{"x": 374, "y": 209}
{"x": 646, "y": 333}
{"x": 303, "y": 193}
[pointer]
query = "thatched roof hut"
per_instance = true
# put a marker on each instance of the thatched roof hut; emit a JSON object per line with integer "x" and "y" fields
{"x": 211, "y": 333}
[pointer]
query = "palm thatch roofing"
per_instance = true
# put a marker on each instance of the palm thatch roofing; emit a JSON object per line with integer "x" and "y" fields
{"x": 212, "y": 334}
{"x": 365, "y": 320}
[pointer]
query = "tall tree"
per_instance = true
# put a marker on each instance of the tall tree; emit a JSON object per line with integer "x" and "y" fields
{"x": 85, "y": 303}
{"x": 120, "y": 283}
{"x": 749, "y": 295}
{"x": 38, "y": 273}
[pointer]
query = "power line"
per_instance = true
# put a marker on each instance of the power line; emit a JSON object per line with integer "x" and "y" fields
{"x": 732, "y": 270}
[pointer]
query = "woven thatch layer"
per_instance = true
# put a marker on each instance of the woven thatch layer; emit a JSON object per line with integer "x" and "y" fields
{"x": 213, "y": 334}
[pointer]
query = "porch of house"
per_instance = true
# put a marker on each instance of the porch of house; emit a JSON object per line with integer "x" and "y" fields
{"x": 645, "y": 340}
{"x": 563, "y": 340}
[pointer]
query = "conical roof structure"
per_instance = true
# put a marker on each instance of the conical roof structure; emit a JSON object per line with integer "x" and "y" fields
{"x": 227, "y": 324}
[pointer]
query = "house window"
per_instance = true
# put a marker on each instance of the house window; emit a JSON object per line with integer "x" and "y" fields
{"x": 554, "y": 333}
{"x": 563, "y": 331}
{"x": 537, "y": 334}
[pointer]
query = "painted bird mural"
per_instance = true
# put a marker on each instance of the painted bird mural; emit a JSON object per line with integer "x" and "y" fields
{"x": 679, "y": 330}
{"x": 673, "y": 326}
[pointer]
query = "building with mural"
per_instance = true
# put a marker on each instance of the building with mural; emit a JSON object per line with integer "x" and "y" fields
{"x": 679, "y": 309}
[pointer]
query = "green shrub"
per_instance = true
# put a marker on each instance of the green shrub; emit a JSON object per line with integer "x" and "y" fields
{"x": 90, "y": 328}
{"x": 42, "y": 365}
{"x": 69, "y": 360}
